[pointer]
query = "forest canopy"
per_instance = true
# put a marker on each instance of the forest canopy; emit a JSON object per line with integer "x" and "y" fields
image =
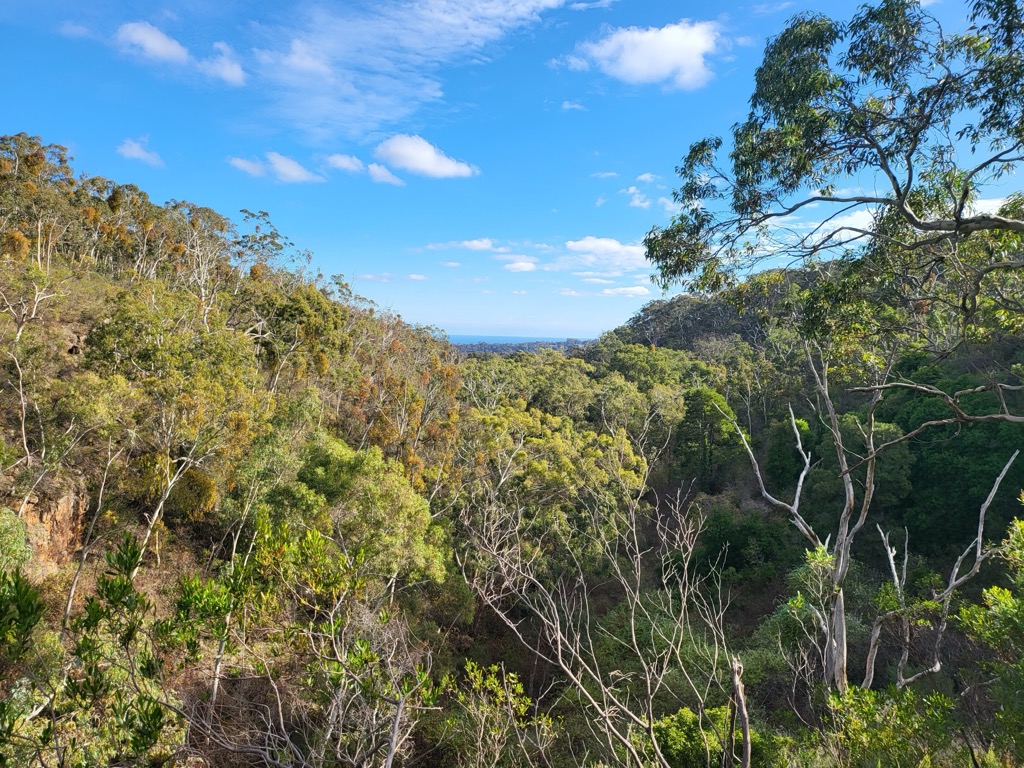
{"x": 248, "y": 518}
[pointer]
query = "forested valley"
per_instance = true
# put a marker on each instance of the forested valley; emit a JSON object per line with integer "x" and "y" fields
{"x": 248, "y": 518}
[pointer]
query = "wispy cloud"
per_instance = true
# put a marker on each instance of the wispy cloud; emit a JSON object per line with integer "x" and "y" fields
{"x": 382, "y": 175}
{"x": 135, "y": 149}
{"x": 353, "y": 68}
{"x": 417, "y": 155}
{"x": 71, "y": 29}
{"x": 632, "y": 290}
{"x": 223, "y": 66}
{"x": 573, "y": 105}
{"x": 477, "y": 244}
{"x": 143, "y": 39}
{"x": 290, "y": 171}
{"x": 450, "y": 264}
{"x": 251, "y": 167}
{"x": 669, "y": 205}
{"x": 675, "y": 54}
{"x": 346, "y": 163}
{"x": 416, "y": 278}
{"x": 604, "y": 175}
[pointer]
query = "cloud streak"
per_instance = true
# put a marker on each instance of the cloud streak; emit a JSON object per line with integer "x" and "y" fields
{"x": 135, "y": 149}
{"x": 351, "y": 70}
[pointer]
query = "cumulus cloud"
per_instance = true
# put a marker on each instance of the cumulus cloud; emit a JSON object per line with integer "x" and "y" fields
{"x": 416, "y": 277}
{"x": 251, "y": 167}
{"x": 675, "y": 54}
{"x": 140, "y": 38}
{"x": 290, "y": 171}
{"x": 646, "y": 178}
{"x": 346, "y": 163}
{"x": 382, "y": 175}
{"x": 450, "y": 264}
{"x": 522, "y": 264}
{"x": 633, "y": 290}
{"x": 143, "y": 39}
{"x": 417, "y": 155}
{"x": 600, "y": 201}
{"x": 603, "y": 255}
{"x": 135, "y": 149}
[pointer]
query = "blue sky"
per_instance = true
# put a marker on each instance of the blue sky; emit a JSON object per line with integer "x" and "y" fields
{"x": 478, "y": 165}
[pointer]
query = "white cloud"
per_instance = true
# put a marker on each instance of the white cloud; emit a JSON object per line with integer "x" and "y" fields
{"x": 224, "y": 66}
{"x": 604, "y": 255}
{"x": 251, "y": 167}
{"x": 637, "y": 198}
{"x": 351, "y": 68}
{"x": 417, "y": 155}
{"x": 383, "y": 277}
{"x": 417, "y": 278}
{"x": 570, "y": 292}
{"x": 573, "y": 105}
{"x": 674, "y": 54}
{"x": 382, "y": 175}
{"x": 478, "y": 244}
{"x": 346, "y": 163}
{"x": 988, "y": 205}
{"x": 521, "y": 265}
{"x": 598, "y": 281}
{"x": 604, "y": 175}
{"x": 518, "y": 293}
{"x": 669, "y": 205}
{"x": 766, "y": 8}
{"x": 646, "y": 178}
{"x": 600, "y": 201}
{"x": 290, "y": 171}
{"x": 450, "y": 264}
{"x": 633, "y": 290}
{"x": 135, "y": 149}
{"x": 143, "y": 39}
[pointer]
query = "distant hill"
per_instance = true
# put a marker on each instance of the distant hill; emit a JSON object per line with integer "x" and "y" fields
{"x": 509, "y": 345}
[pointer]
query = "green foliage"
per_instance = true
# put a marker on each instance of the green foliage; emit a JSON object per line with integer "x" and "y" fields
{"x": 998, "y": 622}
{"x": 15, "y": 550}
{"x": 365, "y": 502}
{"x": 892, "y": 727}
{"x": 691, "y": 740}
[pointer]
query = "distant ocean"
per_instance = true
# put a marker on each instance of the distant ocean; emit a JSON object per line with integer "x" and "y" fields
{"x": 458, "y": 338}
